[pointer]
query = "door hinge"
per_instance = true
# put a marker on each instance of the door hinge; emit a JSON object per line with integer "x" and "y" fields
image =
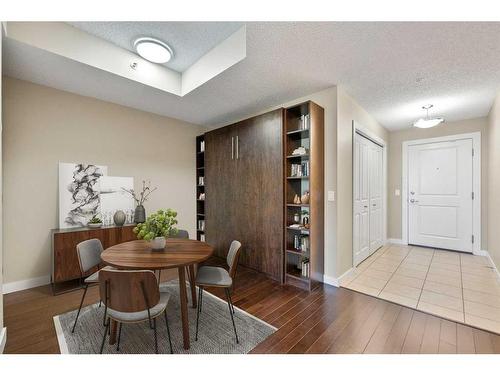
{"x": 472, "y": 238}
{"x": 472, "y": 194}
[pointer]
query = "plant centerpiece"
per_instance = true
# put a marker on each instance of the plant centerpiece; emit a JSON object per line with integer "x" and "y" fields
{"x": 157, "y": 228}
{"x": 95, "y": 222}
{"x": 140, "y": 211}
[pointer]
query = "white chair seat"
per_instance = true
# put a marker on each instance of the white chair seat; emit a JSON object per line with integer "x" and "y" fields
{"x": 141, "y": 315}
{"x": 216, "y": 276}
{"x": 94, "y": 278}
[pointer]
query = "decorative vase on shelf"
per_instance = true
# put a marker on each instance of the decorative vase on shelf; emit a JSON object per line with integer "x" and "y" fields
{"x": 119, "y": 218}
{"x": 296, "y": 199}
{"x": 140, "y": 214}
{"x": 305, "y": 197}
{"x": 159, "y": 243}
{"x": 296, "y": 218}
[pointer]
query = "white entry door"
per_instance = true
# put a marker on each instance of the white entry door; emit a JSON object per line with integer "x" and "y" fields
{"x": 440, "y": 195}
{"x": 368, "y": 198}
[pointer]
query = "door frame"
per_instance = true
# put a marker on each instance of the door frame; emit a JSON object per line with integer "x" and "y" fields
{"x": 476, "y": 184}
{"x": 358, "y": 128}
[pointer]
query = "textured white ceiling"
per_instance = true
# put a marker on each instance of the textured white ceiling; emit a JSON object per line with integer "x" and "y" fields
{"x": 188, "y": 40}
{"x": 391, "y": 69}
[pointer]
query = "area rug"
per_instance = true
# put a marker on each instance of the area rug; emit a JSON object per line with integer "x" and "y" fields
{"x": 215, "y": 336}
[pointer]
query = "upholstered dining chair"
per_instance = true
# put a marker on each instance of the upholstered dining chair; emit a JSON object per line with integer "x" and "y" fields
{"x": 218, "y": 277}
{"x": 89, "y": 257}
{"x": 132, "y": 297}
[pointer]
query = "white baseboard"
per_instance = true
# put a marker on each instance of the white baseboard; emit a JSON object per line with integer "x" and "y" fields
{"x": 331, "y": 281}
{"x": 396, "y": 241}
{"x": 25, "y": 284}
{"x": 3, "y": 339}
{"x": 483, "y": 253}
{"x": 336, "y": 281}
{"x": 487, "y": 254}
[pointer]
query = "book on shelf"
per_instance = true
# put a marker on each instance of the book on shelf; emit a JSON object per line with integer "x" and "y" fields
{"x": 301, "y": 243}
{"x": 201, "y": 225}
{"x": 305, "y": 268}
{"x": 305, "y": 122}
{"x": 300, "y": 170}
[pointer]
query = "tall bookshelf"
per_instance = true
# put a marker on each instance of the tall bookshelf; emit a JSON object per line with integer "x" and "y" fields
{"x": 200, "y": 188}
{"x": 304, "y": 195}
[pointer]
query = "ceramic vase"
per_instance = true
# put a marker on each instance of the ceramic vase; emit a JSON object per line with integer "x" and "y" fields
{"x": 140, "y": 214}
{"x": 159, "y": 243}
{"x": 119, "y": 218}
{"x": 305, "y": 198}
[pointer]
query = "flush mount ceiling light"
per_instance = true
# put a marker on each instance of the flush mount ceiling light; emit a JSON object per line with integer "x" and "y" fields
{"x": 153, "y": 50}
{"x": 427, "y": 122}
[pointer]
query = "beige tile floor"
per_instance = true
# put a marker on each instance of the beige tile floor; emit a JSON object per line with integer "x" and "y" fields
{"x": 456, "y": 286}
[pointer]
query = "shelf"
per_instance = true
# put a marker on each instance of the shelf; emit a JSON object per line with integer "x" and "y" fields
{"x": 201, "y": 200}
{"x": 302, "y": 230}
{"x": 299, "y": 131}
{"x": 200, "y": 152}
{"x": 200, "y": 231}
{"x": 297, "y": 275}
{"x": 305, "y": 156}
{"x": 201, "y": 215}
{"x": 298, "y": 178}
{"x": 200, "y": 185}
{"x": 200, "y": 168}
{"x": 297, "y": 205}
{"x": 298, "y": 252}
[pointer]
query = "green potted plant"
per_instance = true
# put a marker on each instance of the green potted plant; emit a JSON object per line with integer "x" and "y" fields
{"x": 157, "y": 228}
{"x": 95, "y": 222}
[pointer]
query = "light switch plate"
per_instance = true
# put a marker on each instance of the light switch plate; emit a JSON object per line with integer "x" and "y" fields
{"x": 397, "y": 193}
{"x": 331, "y": 196}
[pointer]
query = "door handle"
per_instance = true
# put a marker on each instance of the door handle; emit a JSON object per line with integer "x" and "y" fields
{"x": 232, "y": 148}
{"x": 413, "y": 201}
{"x": 237, "y": 147}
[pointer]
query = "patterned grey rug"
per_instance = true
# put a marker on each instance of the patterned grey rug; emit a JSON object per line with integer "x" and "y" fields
{"x": 215, "y": 336}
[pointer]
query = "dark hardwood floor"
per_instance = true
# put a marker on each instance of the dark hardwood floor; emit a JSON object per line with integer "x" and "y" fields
{"x": 326, "y": 320}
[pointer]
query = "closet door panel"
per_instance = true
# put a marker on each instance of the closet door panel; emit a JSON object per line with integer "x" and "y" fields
{"x": 220, "y": 197}
{"x": 260, "y": 192}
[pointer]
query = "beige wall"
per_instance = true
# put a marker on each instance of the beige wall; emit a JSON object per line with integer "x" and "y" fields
{"x": 1, "y": 195}
{"x": 493, "y": 187}
{"x": 43, "y": 126}
{"x": 396, "y": 140}
{"x": 348, "y": 110}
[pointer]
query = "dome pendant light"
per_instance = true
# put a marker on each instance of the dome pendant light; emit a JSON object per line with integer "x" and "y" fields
{"x": 427, "y": 122}
{"x": 153, "y": 50}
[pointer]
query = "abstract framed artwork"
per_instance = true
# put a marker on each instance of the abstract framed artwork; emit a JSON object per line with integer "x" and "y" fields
{"x": 79, "y": 196}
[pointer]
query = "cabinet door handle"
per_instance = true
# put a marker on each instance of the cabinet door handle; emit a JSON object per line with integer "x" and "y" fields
{"x": 237, "y": 147}
{"x": 232, "y": 148}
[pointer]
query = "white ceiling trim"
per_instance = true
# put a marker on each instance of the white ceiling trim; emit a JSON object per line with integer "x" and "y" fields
{"x": 67, "y": 41}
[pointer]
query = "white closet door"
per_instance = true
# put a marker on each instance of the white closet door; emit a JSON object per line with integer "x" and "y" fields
{"x": 376, "y": 198}
{"x": 368, "y": 198}
{"x": 361, "y": 222}
{"x": 440, "y": 195}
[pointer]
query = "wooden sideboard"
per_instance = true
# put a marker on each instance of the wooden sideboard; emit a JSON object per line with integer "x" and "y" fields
{"x": 65, "y": 266}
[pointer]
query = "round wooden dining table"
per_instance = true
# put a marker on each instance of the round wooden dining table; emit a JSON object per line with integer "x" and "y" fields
{"x": 179, "y": 253}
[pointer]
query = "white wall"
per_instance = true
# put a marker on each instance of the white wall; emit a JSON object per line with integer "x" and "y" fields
{"x": 396, "y": 139}
{"x": 348, "y": 110}
{"x": 1, "y": 194}
{"x": 43, "y": 126}
{"x": 493, "y": 186}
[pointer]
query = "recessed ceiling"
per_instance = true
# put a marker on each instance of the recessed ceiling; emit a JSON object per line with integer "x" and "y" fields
{"x": 391, "y": 69}
{"x": 189, "y": 40}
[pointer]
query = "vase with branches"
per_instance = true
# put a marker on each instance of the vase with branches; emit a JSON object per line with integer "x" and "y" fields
{"x": 140, "y": 198}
